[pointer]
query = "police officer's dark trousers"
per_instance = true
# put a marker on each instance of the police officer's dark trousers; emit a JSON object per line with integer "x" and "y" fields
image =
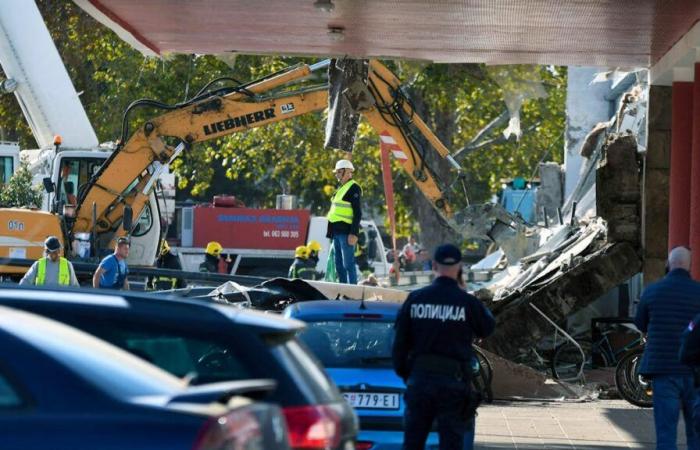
{"x": 434, "y": 397}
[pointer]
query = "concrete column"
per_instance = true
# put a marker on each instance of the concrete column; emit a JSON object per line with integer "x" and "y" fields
{"x": 695, "y": 179}
{"x": 681, "y": 146}
{"x": 656, "y": 183}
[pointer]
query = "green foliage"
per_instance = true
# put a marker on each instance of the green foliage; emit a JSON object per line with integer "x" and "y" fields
{"x": 456, "y": 100}
{"x": 473, "y": 101}
{"x": 19, "y": 191}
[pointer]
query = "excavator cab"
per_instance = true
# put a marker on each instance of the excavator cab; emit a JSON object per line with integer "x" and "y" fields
{"x": 74, "y": 173}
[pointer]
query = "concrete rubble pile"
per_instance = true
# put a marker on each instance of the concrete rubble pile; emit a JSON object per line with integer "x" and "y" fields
{"x": 585, "y": 255}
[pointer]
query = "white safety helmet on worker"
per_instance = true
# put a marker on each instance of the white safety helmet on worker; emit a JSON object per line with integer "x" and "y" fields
{"x": 343, "y": 164}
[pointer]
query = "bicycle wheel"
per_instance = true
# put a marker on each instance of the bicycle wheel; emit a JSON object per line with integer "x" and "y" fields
{"x": 481, "y": 380}
{"x": 568, "y": 362}
{"x": 632, "y": 386}
{"x": 484, "y": 363}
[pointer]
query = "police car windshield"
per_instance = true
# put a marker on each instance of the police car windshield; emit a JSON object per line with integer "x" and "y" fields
{"x": 351, "y": 343}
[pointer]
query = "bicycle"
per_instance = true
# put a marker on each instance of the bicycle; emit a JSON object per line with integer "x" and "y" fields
{"x": 632, "y": 386}
{"x": 567, "y": 362}
{"x": 482, "y": 375}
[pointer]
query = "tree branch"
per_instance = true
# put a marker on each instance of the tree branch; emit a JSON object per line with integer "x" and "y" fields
{"x": 481, "y": 135}
{"x": 469, "y": 148}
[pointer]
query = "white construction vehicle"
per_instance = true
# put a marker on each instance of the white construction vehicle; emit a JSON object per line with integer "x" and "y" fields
{"x": 68, "y": 153}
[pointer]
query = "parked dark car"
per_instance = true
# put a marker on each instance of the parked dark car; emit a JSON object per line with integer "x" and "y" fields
{"x": 62, "y": 389}
{"x": 353, "y": 341}
{"x": 205, "y": 342}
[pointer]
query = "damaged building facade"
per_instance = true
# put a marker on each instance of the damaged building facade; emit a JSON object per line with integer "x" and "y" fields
{"x": 591, "y": 249}
{"x": 631, "y": 192}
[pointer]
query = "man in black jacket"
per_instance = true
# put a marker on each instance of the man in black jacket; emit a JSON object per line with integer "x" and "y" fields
{"x": 690, "y": 356}
{"x": 432, "y": 352}
{"x": 344, "y": 221}
{"x": 663, "y": 313}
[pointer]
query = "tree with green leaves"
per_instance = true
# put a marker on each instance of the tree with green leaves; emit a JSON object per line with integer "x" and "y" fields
{"x": 19, "y": 191}
{"x": 463, "y": 103}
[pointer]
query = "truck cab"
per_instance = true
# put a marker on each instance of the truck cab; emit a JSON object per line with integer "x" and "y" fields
{"x": 9, "y": 160}
{"x": 68, "y": 172}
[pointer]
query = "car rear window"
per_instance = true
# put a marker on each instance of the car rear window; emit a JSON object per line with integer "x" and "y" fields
{"x": 201, "y": 360}
{"x": 305, "y": 371}
{"x": 350, "y": 343}
{"x": 207, "y": 353}
{"x": 109, "y": 368}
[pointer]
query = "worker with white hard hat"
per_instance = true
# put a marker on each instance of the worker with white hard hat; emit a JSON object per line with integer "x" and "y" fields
{"x": 344, "y": 221}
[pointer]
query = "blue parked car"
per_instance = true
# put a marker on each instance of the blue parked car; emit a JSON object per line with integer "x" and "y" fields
{"x": 353, "y": 341}
{"x": 63, "y": 389}
{"x": 207, "y": 342}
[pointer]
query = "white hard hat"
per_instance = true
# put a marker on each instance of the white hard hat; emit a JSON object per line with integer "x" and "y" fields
{"x": 343, "y": 164}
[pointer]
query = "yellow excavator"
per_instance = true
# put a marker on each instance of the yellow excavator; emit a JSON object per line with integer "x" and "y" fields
{"x": 120, "y": 189}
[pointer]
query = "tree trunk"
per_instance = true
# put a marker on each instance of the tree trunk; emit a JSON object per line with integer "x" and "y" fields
{"x": 433, "y": 230}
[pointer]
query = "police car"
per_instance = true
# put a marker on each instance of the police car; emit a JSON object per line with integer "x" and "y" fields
{"x": 353, "y": 340}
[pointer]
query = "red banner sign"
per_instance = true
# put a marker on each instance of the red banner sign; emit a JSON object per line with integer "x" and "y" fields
{"x": 268, "y": 229}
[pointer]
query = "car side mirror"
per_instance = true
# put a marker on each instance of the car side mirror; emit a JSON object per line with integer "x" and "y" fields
{"x": 48, "y": 185}
{"x": 128, "y": 219}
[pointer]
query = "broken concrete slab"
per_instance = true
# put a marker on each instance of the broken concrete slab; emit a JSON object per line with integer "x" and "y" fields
{"x": 517, "y": 380}
{"x": 519, "y": 327}
{"x": 550, "y": 192}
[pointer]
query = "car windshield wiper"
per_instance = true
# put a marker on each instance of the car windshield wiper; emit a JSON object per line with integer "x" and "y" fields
{"x": 376, "y": 359}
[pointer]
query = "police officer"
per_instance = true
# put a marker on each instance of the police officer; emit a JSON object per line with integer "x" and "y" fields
{"x": 52, "y": 269}
{"x": 432, "y": 353}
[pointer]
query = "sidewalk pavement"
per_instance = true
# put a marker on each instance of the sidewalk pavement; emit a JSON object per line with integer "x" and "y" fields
{"x": 595, "y": 425}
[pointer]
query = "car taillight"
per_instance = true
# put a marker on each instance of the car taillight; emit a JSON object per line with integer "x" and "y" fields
{"x": 233, "y": 431}
{"x": 363, "y": 445}
{"x": 311, "y": 427}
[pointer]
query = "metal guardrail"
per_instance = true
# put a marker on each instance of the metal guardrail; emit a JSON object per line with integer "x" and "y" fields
{"x": 425, "y": 277}
{"x": 411, "y": 278}
{"x": 83, "y": 269}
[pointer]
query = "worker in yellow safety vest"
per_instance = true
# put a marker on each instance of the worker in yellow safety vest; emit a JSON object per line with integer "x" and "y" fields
{"x": 52, "y": 269}
{"x": 344, "y": 221}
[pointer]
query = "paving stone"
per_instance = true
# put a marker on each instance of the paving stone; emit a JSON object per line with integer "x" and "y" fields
{"x": 599, "y": 425}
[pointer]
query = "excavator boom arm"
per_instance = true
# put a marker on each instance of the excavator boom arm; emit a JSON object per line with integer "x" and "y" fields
{"x": 127, "y": 178}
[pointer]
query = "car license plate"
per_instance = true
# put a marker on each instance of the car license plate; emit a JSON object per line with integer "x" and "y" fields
{"x": 374, "y": 400}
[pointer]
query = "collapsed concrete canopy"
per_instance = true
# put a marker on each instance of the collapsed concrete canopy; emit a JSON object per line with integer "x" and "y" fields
{"x": 591, "y": 33}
